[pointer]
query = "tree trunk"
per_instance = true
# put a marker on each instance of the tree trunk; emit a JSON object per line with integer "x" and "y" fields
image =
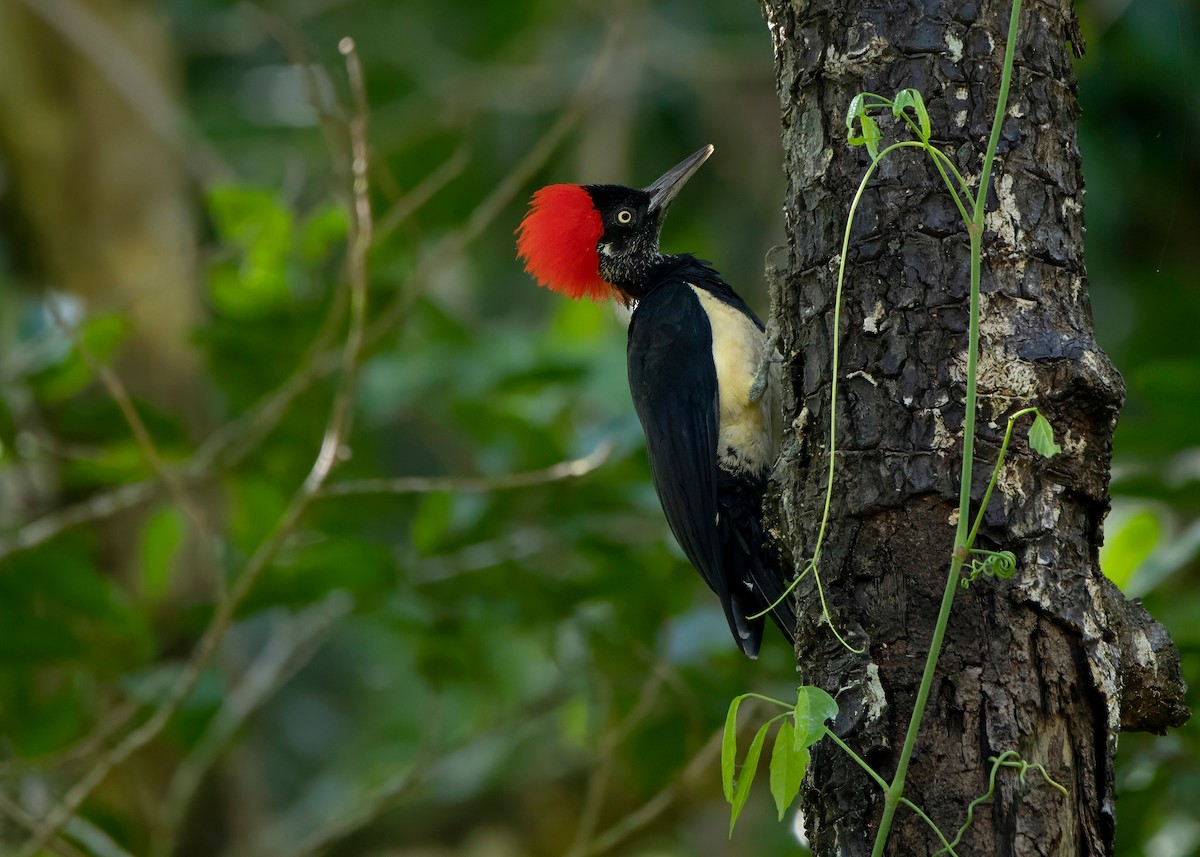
{"x": 100, "y": 192}
{"x": 102, "y": 207}
{"x": 1054, "y": 662}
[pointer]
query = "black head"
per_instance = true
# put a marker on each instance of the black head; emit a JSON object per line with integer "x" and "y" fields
{"x": 632, "y": 222}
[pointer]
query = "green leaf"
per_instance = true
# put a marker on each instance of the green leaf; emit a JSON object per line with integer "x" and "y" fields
{"x": 1041, "y": 437}
{"x": 432, "y": 523}
{"x": 813, "y": 707}
{"x": 787, "y": 768}
{"x": 871, "y": 135}
{"x": 729, "y": 748}
{"x": 255, "y": 504}
{"x": 250, "y": 216}
{"x": 116, "y": 462}
{"x": 749, "y": 769}
{"x": 855, "y": 110}
{"x": 102, "y": 335}
{"x": 573, "y": 721}
{"x": 322, "y": 230}
{"x": 912, "y": 98}
{"x": 159, "y": 543}
{"x": 801, "y": 728}
{"x": 258, "y": 230}
{"x": 1128, "y": 545}
{"x": 923, "y": 118}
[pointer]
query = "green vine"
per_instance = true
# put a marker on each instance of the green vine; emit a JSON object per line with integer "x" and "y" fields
{"x": 967, "y": 563}
{"x": 1007, "y": 759}
{"x": 803, "y": 725}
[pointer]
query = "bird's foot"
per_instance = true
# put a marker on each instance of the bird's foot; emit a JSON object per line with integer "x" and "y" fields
{"x": 770, "y": 354}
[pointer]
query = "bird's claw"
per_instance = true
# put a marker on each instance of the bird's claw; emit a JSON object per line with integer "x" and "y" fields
{"x": 770, "y": 354}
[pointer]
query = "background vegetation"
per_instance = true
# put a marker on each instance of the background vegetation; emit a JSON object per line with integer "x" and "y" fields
{"x": 521, "y": 670}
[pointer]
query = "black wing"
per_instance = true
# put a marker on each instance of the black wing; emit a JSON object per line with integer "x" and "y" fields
{"x": 674, "y": 386}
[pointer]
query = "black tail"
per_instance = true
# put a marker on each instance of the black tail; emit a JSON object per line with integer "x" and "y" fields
{"x": 756, "y": 580}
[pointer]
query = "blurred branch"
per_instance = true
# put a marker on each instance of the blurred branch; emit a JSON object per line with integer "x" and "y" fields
{"x": 293, "y": 642}
{"x": 97, "y": 841}
{"x": 44, "y": 346}
{"x": 336, "y": 432}
{"x": 700, "y": 764}
{"x": 411, "y": 202}
{"x": 597, "y": 787}
{"x": 323, "y": 99}
{"x": 513, "y": 545}
{"x": 375, "y": 801}
{"x": 571, "y": 469}
{"x": 96, "y": 508}
{"x": 301, "y": 56}
{"x": 113, "y": 722}
{"x": 120, "y": 395}
{"x": 451, "y": 248}
{"x": 369, "y": 807}
{"x": 239, "y": 437}
{"x": 18, "y": 814}
{"x": 91, "y": 35}
{"x": 338, "y": 429}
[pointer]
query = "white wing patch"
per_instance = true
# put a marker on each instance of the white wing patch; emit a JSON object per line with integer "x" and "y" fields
{"x": 745, "y": 439}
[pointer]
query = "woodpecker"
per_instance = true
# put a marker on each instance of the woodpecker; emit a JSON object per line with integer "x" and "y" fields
{"x": 698, "y": 372}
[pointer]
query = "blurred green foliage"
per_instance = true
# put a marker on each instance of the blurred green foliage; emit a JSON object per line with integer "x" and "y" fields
{"x": 517, "y": 672}
{"x": 1139, "y": 118}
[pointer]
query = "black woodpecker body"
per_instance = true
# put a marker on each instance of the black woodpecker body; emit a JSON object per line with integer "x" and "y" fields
{"x": 697, "y": 372}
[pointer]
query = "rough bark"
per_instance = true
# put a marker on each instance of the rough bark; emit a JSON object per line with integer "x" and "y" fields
{"x": 1054, "y": 662}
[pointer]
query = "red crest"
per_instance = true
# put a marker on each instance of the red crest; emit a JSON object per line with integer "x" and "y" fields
{"x": 557, "y": 240}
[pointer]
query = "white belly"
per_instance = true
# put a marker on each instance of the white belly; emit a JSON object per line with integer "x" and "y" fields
{"x": 746, "y": 439}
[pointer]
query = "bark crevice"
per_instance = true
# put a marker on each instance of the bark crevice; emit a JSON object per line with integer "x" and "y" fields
{"x": 1054, "y": 662}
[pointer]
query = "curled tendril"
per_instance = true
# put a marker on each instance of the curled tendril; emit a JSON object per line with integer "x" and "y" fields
{"x": 1007, "y": 759}
{"x": 998, "y": 565}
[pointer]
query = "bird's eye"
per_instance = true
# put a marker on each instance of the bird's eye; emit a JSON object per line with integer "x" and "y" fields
{"x": 624, "y": 216}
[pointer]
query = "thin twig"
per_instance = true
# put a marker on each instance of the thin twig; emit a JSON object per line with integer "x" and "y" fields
{"x": 700, "y": 764}
{"x": 95, "y": 840}
{"x": 597, "y": 787}
{"x": 370, "y": 804}
{"x": 408, "y": 205}
{"x": 259, "y": 420}
{"x": 571, "y": 469}
{"x": 119, "y": 393}
{"x": 452, "y": 247}
{"x": 301, "y": 54}
{"x": 293, "y": 641}
{"x": 17, "y": 813}
{"x": 112, "y": 723}
{"x": 96, "y": 508}
{"x": 239, "y": 437}
{"x": 337, "y": 429}
{"x": 367, "y": 808}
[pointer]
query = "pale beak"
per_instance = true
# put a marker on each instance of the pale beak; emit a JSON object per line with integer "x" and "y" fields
{"x": 672, "y": 181}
